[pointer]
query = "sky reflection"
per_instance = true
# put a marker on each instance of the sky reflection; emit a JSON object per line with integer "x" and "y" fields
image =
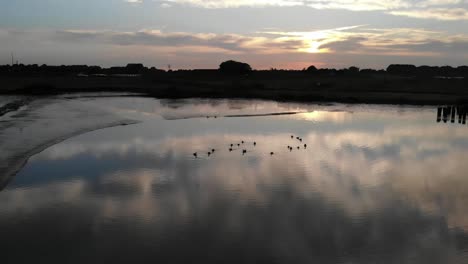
{"x": 377, "y": 184}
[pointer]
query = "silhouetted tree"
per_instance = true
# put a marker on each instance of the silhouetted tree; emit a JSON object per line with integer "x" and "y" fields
{"x": 134, "y": 68}
{"x": 234, "y": 67}
{"x": 368, "y": 72}
{"x": 312, "y": 69}
{"x": 353, "y": 70}
{"x": 402, "y": 69}
{"x": 462, "y": 71}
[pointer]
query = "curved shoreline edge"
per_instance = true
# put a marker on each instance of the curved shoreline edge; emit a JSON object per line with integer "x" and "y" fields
{"x": 20, "y": 160}
{"x": 13, "y": 106}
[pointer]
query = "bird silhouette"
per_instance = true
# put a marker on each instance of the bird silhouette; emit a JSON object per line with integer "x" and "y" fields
{"x": 255, "y": 143}
{"x": 244, "y": 151}
{"x": 230, "y": 149}
{"x": 195, "y": 154}
{"x": 272, "y": 153}
{"x": 305, "y": 145}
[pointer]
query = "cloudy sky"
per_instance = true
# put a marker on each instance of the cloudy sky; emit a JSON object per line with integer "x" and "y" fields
{"x": 264, "y": 33}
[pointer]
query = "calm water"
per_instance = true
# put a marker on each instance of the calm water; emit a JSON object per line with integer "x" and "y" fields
{"x": 376, "y": 184}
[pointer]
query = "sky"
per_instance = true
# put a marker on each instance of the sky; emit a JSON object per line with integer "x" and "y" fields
{"x": 283, "y": 34}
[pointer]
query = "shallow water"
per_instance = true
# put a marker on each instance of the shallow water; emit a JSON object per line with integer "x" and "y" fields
{"x": 376, "y": 184}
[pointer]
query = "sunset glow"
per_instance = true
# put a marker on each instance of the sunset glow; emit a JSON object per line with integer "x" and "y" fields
{"x": 266, "y": 34}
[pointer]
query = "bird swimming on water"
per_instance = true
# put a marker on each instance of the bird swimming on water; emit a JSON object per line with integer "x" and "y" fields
{"x": 195, "y": 154}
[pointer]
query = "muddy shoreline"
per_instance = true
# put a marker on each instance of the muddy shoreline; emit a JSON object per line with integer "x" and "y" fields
{"x": 30, "y": 131}
{"x": 13, "y": 106}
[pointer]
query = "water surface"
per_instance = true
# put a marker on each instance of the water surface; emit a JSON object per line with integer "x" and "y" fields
{"x": 376, "y": 184}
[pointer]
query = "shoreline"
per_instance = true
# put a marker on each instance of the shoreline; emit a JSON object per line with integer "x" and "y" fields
{"x": 14, "y": 106}
{"x": 359, "y": 90}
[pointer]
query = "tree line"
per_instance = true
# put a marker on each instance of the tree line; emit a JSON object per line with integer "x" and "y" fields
{"x": 232, "y": 68}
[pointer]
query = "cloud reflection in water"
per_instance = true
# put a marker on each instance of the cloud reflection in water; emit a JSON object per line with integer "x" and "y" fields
{"x": 375, "y": 185}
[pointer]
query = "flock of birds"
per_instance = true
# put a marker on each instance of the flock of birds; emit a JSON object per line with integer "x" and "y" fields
{"x": 244, "y": 151}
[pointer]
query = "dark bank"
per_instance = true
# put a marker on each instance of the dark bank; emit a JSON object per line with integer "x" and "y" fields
{"x": 398, "y": 84}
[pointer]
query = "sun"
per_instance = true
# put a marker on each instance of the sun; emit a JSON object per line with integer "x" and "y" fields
{"x": 313, "y": 41}
{"x": 314, "y": 47}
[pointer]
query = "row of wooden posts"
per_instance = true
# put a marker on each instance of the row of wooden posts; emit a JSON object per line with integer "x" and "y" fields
{"x": 451, "y": 114}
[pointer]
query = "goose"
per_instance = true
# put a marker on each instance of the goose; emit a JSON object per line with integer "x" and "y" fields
{"x": 209, "y": 153}
{"x": 305, "y": 145}
{"x": 272, "y": 153}
{"x": 298, "y": 147}
{"x": 255, "y": 143}
{"x": 232, "y": 145}
{"x": 195, "y": 154}
{"x": 230, "y": 149}
{"x": 213, "y": 150}
{"x": 244, "y": 151}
